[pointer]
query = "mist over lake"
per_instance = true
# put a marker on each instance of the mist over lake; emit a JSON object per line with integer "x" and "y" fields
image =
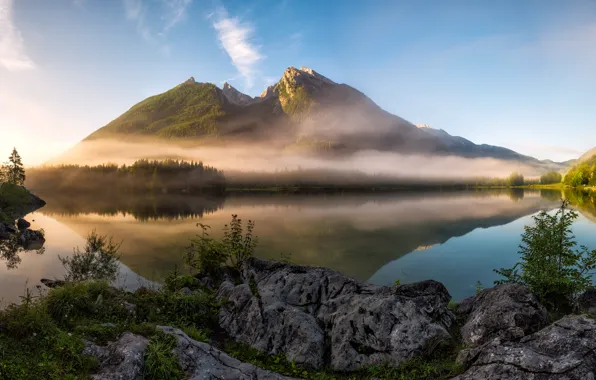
{"x": 455, "y": 237}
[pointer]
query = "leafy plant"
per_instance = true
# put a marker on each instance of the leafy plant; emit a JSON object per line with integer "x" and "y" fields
{"x": 99, "y": 260}
{"x": 551, "y": 266}
{"x": 209, "y": 255}
{"x": 160, "y": 362}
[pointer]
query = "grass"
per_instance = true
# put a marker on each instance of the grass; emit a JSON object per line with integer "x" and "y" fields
{"x": 160, "y": 362}
{"x": 440, "y": 366}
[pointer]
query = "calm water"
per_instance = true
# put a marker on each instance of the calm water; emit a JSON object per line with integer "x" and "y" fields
{"x": 457, "y": 238}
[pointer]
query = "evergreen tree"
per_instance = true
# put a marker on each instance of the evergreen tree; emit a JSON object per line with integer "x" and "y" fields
{"x": 15, "y": 171}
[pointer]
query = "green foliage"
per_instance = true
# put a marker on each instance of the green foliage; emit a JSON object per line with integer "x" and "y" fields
{"x": 99, "y": 260}
{"x": 14, "y": 171}
{"x": 239, "y": 245}
{"x": 187, "y": 110}
{"x": 582, "y": 174}
{"x": 479, "y": 287}
{"x": 12, "y": 198}
{"x": 396, "y": 283}
{"x": 516, "y": 179}
{"x": 209, "y": 255}
{"x": 160, "y": 362}
{"x": 551, "y": 266}
{"x": 551, "y": 178}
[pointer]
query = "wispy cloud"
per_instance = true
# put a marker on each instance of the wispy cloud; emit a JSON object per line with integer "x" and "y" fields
{"x": 172, "y": 13}
{"x": 12, "y": 48}
{"x": 176, "y": 12}
{"x": 235, "y": 38}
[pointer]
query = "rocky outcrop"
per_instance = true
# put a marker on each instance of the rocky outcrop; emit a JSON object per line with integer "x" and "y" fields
{"x": 316, "y": 316}
{"x": 121, "y": 360}
{"x": 587, "y": 302}
{"x": 22, "y": 224}
{"x": 201, "y": 361}
{"x": 507, "y": 311}
{"x": 565, "y": 350}
{"x": 235, "y": 96}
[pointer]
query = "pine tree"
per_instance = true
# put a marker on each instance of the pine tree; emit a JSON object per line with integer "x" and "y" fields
{"x": 15, "y": 170}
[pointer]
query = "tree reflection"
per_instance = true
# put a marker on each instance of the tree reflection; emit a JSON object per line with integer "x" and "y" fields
{"x": 11, "y": 249}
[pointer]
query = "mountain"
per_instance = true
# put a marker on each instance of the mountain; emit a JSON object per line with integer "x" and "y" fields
{"x": 588, "y": 155}
{"x": 304, "y": 110}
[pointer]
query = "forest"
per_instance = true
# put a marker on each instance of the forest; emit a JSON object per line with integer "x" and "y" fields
{"x": 143, "y": 176}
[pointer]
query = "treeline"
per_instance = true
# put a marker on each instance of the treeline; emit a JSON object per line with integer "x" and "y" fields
{"x": 583, "y": 174}
{"x": 143, "y": 176}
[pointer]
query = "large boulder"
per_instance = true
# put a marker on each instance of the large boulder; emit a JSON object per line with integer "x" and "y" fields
{"x": 4, "y": 234}
{"x": 565, "y": 350}
{"x": 201, "y": 361}
{"x": 507, "y": 311}
{"x": 316, "y": 316}
{"x": 121, "y": 360}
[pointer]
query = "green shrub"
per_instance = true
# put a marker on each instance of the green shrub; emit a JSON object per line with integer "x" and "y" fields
{"x": 209, "y": 255}
{"x": 99, "y": 260}
{"x": 160, "y": 362}
{"x": 551, "y": 267}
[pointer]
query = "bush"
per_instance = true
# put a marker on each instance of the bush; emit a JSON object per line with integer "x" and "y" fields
{"x": 99, "y": 260}
{"x": 551, "y": 267}
{"x": 209, "y": 255}
{"x": 551, "y": 178}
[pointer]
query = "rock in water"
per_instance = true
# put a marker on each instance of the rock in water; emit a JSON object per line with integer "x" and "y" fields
{"x": 200, "y": 361}
{"x": 507, "y": 311}
{"x": 52, "y": 283}
{"x": 121, "y": 360}
{"x": 22, "y": 224}
{"x": 316, "y": 316}
{"x": 31, "y": 239}
{"x": 4, "y": 234}
{"x": 565, "y": 350}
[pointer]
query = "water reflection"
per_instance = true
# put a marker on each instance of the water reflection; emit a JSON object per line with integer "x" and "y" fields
{"x": 363, "y": 236}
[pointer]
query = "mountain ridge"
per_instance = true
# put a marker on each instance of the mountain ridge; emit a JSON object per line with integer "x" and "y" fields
{"x": 304, "y": 110}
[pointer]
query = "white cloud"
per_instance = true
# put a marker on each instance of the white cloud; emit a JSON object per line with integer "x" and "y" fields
{"x": 12, "y": 48}
{"x": 154, "y": 30}
{"x": 235, "y": 38}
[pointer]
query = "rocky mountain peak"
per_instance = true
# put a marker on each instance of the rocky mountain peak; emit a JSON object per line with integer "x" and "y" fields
{"x": 424, "y": 126}
{"x": 190, "y": 80}
{"x": 235, "y": 96}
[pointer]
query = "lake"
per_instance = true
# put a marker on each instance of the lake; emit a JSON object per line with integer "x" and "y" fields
{"x": 457, "y": 238}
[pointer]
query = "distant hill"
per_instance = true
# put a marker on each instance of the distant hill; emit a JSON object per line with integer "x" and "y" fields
{"x": 303, "y": 111}
{"x": 586, "y": 156}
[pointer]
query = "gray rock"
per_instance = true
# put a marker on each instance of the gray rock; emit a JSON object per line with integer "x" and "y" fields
{"x": 565, "y": 350}
{"x": 121, "y": 360}
{"x": 23, "y": 224}
{"x": 201, "y": 361}
{"x": 507, "y": 311}
{"x": 185, "y": 291}
{"x": 316, "y": 316}
{"x": 587, "y": 302}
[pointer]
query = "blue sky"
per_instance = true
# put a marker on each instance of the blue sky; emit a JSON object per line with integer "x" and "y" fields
{"x": 519, "y": 74}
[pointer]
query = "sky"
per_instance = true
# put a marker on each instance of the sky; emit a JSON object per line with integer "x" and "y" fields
{"x": 514, "y": 73}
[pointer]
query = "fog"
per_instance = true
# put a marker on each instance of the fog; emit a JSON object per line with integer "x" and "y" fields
{"x": 263, "y": 158}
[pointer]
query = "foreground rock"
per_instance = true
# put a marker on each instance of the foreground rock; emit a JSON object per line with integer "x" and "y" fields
{"x": 507, "y": 311}
{"x": 22, "y": 224}
{"x": 316, "y": 316}
{"x": 201, "y": 361}
{"x": 121, "y": 360}
{"x": 565, "y": 350}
